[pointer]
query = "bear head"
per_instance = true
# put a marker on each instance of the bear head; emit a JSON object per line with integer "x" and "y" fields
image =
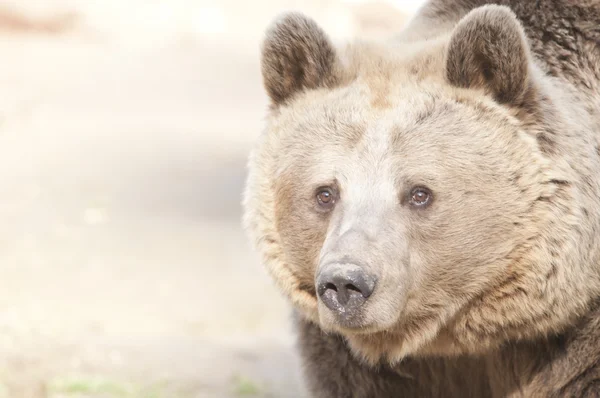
{"x": 407, "y": 194}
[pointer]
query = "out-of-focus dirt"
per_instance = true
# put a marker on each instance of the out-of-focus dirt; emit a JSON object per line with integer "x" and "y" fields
{"x": 12, "y": 21}
{"x": 124, "y": 132}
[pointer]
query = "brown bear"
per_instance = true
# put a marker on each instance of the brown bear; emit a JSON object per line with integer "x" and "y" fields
{"x": 430, "y": 204}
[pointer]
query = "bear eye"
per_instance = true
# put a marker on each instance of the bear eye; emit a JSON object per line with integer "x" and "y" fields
{"x": 326, "y": 197}
{"x": 420, "y": 196}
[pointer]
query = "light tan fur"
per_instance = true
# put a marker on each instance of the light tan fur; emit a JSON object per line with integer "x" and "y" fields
{"x": 510, "y": 248}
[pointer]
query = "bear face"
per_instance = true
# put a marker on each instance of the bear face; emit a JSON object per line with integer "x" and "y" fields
{"x": 399, "y": 195}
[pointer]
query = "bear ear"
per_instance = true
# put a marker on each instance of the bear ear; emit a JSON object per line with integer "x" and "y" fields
{"x": 296, "y": 55}
{"x": 488, "y": 49}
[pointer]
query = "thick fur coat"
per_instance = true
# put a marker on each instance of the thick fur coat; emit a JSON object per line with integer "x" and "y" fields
{"x": 458, "y": 166}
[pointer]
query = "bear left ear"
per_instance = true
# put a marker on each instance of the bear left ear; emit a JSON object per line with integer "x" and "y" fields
{"x": 488, "y": 50}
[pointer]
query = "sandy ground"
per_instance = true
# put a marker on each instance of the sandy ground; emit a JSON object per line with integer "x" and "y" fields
{"x": 125, "y": 270}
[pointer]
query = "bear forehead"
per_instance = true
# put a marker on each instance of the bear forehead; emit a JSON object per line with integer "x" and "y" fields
{"x": 425, "y": 123}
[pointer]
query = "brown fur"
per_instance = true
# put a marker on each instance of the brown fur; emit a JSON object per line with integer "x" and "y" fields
{"x": 488, "y": 49}
{"x": 307, "y": 61}
{"x": 493, "y": 290}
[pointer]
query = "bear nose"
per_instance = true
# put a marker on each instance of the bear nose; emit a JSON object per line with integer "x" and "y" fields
{"x": 344, "y": 288}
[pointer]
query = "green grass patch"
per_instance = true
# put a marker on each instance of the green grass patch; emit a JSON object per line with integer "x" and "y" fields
{"x": 244, "y": 386}
{"x": 96, "y": 386}
{"x": 91, "y": 386}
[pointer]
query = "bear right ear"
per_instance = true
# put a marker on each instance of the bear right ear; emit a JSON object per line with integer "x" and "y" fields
{"x": 296, "y": 55}
{"x": 488, "y": 49}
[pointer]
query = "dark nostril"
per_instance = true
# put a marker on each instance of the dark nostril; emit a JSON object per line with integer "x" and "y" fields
{"x": 331, "y": 286}
{"x": 350, "y": 286}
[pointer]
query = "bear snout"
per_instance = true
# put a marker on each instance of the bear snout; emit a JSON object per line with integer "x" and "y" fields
{"x": 344, "y": 289}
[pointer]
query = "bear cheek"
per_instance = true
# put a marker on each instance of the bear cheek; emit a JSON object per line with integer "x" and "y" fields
{"x": 463, "y": 254}
{"x": 302, "y": 233}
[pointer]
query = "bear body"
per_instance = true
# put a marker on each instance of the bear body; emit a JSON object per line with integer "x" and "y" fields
{"x": 430, "y": 205}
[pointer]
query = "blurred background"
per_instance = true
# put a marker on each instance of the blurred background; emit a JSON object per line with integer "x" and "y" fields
{"x": 124, "y": 132}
